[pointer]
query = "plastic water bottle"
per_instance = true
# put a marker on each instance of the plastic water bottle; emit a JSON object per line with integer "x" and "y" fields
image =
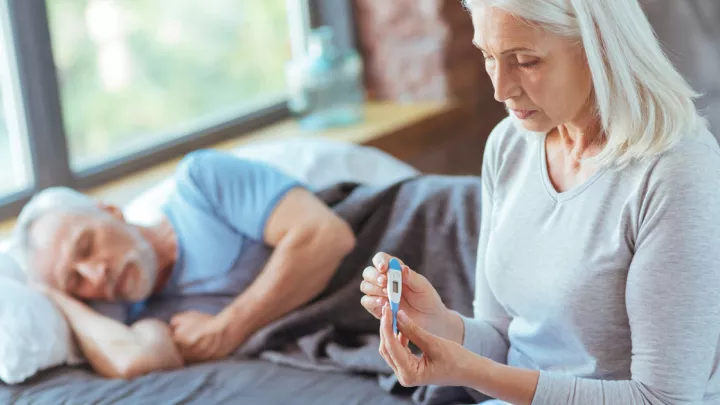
{"x": 326, "y": 85}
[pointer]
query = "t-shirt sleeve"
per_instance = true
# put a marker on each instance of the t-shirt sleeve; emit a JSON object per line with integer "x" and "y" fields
{"x": 242, "y": 192}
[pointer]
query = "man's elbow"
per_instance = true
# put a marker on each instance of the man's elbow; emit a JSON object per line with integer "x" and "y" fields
{"x": 153, "y": 350}
{"x": 140, "y": 366}
{"x": 125, "y": 371}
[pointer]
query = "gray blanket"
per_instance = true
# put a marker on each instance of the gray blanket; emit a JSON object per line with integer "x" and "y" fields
{"x": 325, "y": 352}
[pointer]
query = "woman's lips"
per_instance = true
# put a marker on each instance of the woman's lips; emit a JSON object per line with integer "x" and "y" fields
{"x": 523, "y": 114}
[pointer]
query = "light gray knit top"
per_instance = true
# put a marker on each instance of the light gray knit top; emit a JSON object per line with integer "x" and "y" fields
{"x": 612, "y": 288}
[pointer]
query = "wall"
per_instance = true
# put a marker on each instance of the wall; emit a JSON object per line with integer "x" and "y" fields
{"x": 421, "y": 50}
{"x": 690, "y": 33}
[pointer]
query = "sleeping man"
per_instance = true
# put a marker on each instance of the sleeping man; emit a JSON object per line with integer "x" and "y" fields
{"x": 222, "y": 209}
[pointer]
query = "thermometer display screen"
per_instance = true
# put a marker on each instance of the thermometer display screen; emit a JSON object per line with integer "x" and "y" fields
{"x": 395, "y": 287}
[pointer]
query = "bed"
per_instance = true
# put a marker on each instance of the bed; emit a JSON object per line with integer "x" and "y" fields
{"x": 233, "y": 381}
{"x": 326, "y": 352}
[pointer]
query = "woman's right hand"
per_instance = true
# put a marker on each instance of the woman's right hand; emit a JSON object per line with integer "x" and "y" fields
{"x": 419, "y": 298}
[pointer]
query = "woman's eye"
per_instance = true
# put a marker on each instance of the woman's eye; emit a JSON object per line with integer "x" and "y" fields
{"x": 527, "y": 64}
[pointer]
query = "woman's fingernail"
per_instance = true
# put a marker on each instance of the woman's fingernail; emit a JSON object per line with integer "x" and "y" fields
{"x": 384, "y": 290}
{"x": 402, "y": 317}
{"x": 378, "y": 300}
{"x": 381, "y": 279}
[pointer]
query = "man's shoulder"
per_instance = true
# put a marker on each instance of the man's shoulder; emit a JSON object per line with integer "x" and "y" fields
{"x": 204, "y": 162}
{"x": 209, "y": 170}
{"x": 240, "y": 191}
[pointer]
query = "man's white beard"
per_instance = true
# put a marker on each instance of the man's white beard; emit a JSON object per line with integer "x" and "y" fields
{"x": 145, "y": 261}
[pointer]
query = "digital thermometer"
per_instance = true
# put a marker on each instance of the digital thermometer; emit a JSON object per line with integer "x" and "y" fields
{"x": 394, "y": 289}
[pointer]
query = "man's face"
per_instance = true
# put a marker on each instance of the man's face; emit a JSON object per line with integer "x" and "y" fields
{"x": 92, "y": 255}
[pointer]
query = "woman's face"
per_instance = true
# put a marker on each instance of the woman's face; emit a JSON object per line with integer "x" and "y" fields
{"x": 542, "y": 78}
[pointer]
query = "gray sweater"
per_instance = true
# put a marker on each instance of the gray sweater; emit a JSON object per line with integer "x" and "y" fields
{"x": 612, "y": 288}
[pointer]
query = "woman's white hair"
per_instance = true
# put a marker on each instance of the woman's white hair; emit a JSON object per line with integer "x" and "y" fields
{"x": 645, "y": 106}
{"x": 50, "y": 200}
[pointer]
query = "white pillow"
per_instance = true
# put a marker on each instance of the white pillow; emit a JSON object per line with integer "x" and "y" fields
{"x": 33, "y": 334}
{"x": 317, "y": 162}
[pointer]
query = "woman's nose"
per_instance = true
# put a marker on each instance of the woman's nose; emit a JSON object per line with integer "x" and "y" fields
{"x": 504, "y": 84}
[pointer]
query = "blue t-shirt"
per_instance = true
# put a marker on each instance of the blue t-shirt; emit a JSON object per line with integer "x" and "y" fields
{"x": 219, "y": 209}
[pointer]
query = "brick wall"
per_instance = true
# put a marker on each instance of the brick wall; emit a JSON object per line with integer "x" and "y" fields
{"x": 421, "y": 50}
{"x": 418, "y": 50}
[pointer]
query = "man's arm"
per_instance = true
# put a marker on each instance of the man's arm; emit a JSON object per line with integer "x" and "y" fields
{"x": 115, "y": 350}
{"x": 263, "y": 204}
{"x": 310, "y": 241}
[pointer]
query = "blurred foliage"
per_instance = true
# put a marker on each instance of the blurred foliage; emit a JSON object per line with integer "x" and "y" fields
{"x": 179, "y": 63}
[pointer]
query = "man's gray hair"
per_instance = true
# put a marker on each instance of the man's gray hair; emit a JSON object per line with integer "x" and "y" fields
{"x": 50, "y": 200}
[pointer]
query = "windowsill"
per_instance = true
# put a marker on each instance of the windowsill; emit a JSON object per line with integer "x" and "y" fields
{"x": 399, "y": 129}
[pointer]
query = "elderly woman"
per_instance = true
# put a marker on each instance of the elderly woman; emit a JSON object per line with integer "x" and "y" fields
{"x": 598, "y": 272}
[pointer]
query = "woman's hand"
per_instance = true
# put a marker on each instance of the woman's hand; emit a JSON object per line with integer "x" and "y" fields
{"x": 419, "y": 299}
{"x": 443, "y": 362}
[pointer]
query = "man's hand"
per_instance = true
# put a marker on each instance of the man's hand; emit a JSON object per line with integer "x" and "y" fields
{"x": 202, "y": 337}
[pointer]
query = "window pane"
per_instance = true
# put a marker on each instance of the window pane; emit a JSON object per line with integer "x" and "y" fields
{"x": 134, "y": 73}
{"x": 14, "y": 161}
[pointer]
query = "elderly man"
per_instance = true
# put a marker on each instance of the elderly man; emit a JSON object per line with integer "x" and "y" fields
{"x": 222, "y": 208}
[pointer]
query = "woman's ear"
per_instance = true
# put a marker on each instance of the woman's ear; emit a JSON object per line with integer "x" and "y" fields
{"x": 113, "y": 210}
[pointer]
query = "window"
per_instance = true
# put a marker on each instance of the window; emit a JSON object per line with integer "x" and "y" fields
{"x": 14, "y": 174}
{"x": 97, "y": 89}
{"x": 14, "y": 169}
{"x": 135, "y": 73}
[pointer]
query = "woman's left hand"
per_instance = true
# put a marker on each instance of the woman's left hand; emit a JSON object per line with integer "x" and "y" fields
{"x": 442, "y": 361}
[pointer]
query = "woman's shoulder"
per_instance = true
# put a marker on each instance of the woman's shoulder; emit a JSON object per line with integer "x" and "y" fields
{"x": 508, "y": 142}
{"x": 693, "y": 163}
{"x": 696, "y": 153}
{"x": 506, "y": 135}
{"x": 681, "y": 184}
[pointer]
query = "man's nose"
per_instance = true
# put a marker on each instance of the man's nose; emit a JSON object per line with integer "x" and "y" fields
{"x": 94, "y": 272}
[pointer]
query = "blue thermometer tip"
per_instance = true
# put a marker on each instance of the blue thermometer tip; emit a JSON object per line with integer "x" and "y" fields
{"x": 395, "y": 265}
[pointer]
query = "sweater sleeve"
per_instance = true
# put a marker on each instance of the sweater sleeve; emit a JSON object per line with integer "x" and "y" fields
{"x": 486, "y": 333}
{"x": 672, "y": 293}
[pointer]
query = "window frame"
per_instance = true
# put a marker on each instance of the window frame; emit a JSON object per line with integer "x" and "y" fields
{"x": 41, "y": 104}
